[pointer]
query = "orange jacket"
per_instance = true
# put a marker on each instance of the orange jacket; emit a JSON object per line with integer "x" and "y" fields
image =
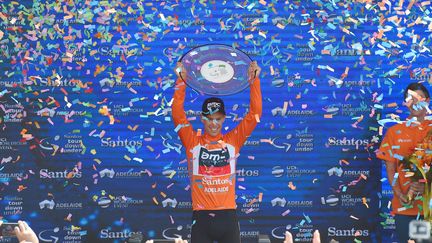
{"x": 400, "y": 141}
{"x": 212, "y": 160}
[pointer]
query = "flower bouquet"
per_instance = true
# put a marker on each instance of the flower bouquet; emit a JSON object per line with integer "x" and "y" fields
{"x": 417, "y": 166}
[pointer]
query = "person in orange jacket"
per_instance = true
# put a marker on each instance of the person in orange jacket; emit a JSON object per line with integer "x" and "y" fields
{"x": 400, "y": 141}
{"x": 212, "y": 159}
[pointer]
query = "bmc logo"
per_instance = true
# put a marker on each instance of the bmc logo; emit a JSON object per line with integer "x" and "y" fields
{"x": 216, "y": 158}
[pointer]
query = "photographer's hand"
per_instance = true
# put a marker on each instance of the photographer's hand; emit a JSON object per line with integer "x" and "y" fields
{"x": 25, "y": 234}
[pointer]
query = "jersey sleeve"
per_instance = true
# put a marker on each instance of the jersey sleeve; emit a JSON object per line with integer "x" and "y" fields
{"x": 243, "y": 130}
{"x": 385, "y": 151}
{"x": 182, "y": 125}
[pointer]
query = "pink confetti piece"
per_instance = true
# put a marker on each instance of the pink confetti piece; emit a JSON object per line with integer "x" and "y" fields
{"x": 286, "y": 212}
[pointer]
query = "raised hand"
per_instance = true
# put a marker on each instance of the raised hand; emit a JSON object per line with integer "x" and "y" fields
{"x": 253, "y": 71}
{"x": 180, "y": 71}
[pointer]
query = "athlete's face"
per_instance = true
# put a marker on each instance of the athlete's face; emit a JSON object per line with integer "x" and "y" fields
{"x": 213, "y": 123}
{"x": 415, "y": 106}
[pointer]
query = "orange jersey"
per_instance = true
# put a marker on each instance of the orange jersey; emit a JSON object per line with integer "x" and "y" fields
{"x": 400, "y": 141}
{"x": 212, "y": 160}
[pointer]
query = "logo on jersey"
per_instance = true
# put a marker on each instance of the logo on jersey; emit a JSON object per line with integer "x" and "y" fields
{"x": 213, "y": 158}
{"x": 214, "y": 162}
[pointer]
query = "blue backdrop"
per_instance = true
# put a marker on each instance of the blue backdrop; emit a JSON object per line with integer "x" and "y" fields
{"x": 88, "y": 149}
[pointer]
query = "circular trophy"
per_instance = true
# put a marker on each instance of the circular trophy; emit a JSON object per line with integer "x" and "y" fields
{"x": 216, "y": 69}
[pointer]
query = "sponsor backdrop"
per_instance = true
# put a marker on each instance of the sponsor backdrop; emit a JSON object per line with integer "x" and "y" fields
{"x": 88, "y": 149}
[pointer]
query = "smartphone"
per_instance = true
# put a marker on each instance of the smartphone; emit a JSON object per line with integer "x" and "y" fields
{"x": 7, "y": 229}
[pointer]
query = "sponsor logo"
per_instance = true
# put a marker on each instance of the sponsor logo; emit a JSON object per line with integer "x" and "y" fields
{"x": 49, "y": 235}
{"x": 14, "y": 113}
{"x": 282, "y": 202}
{"x": 339, "y": 172}
{"x": 291, "y": 20}
{"x": 72, "y": 234}
{"x": 51, "y": 204}
{"x": 299, "y": 203}
{"x": 186, "y": 204}
{"x": 389, "y": 222}
{"x": 291, "y": 171}
{"x": 305, "y": 231}
{"x": 294, "y": 112}
{"x": 279, "y": 231}
{"x": 250, "y": 204}
{"x": 110, "y": 173}
{"x": 108, "y": 142}
{"x": 252, "y": 143}
{"x": 104, "y": 202}
{"x": 176, "y": 232}
{"x": 217, "y": 181}
{"x": 345, "y": 200}
{"x": 8, "y": 83}
{"x": 294, "y": 171}
{"x": 6, "y": 177}
{"x": 331, "y": 200}
{"x": 121, "y": 110}
{"x": 249, "y": 234}
{"x": 333, "y": 231}
{"x": 350, "y": 52}
{"x": 247, "y": 173}
{"x": 333, "y": 141}
{"x": 117, "y": 202}
{"x": 358, "y": 83}
{"x": 119, "y": 50}
{"x": 65, "y": 174}
{"x": 109, "y": 234}
{"x": 400, "y": 140}
{"x": 216, "y": 158}
{"x": 74, "y": 144}
{"x": 169, "y": 202}
{"x": 278, "y": 171}
{"x": 14, "y": 205}
{"x": 47, "y": 112}
{"x": 347, "y": 109}
{"x": 304, "y": 55}
{"x": 6, "y": 144}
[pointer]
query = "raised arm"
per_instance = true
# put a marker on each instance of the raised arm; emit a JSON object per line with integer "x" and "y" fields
{"x": 182, "y": 125}
{"x": 249, "y": 122}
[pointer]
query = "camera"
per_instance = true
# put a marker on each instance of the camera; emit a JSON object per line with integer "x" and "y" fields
{"x": 7, "y": 229}
{"x": 420, "y": 230}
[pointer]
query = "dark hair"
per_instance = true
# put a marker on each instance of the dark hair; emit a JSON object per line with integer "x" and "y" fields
{"x": 414, "y": 87}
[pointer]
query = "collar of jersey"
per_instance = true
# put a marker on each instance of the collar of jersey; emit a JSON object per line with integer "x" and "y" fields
{"x": 211, "y": 138}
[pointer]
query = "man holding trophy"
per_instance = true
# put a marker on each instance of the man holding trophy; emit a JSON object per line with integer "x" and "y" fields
{"x": 212, "y": 156}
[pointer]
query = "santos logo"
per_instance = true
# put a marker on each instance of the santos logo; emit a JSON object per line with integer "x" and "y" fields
{"x": 107, "y": 234}
{"x": 247, "y": 173}
{"x": 333, "y": 141}
{"x": 108, "y": 142}
{"x": 333, "y": 231}
{"x": 45, "y": 173}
